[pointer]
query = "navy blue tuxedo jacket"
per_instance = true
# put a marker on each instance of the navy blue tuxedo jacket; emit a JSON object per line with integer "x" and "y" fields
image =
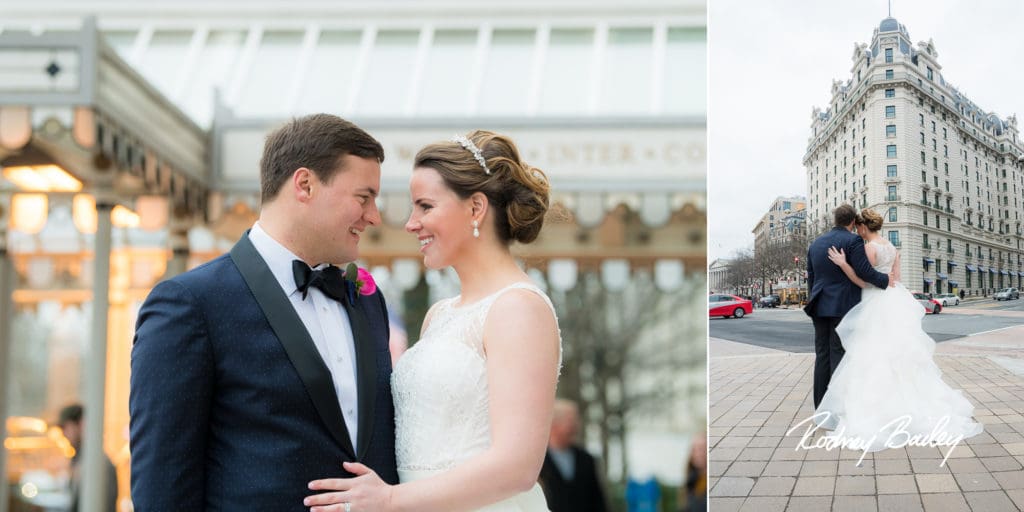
{"x": 232, "y": 407}
{"x": 832, "y": 294}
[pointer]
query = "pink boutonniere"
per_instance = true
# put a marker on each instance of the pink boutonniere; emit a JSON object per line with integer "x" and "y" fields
{"x": 365, "y": 285}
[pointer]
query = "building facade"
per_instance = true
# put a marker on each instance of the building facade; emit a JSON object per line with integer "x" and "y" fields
{"x": 784, "y": 218}
{"x": 718, "y": 276}
{"x": 947, "y": 175}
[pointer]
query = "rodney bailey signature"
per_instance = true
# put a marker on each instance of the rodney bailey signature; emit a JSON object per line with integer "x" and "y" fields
{"x": 897, "y": 438}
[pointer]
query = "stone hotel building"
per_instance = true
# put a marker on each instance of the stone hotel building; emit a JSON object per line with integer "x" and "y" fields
{"x": 947, "y": 175}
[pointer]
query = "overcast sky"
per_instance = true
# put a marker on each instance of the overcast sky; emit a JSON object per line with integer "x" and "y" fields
{"x": 770, "y": 63}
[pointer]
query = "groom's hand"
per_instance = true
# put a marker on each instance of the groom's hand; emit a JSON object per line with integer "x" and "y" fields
{"x": 365, "y": 492}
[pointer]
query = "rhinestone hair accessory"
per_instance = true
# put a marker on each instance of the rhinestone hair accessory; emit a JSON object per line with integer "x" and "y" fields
{"x": 477, "y": 154}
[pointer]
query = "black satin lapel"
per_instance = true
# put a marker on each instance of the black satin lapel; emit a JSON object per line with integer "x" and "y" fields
{"x": 293, "y": 337}
{"x": 366, "y": 365}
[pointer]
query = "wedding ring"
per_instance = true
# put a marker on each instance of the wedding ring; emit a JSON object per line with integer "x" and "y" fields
{"x": 348, "y": 507}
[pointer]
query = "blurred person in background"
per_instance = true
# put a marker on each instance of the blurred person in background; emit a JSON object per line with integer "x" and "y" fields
{"x": 570, "y": 476}
{"x": 693, "y": 495}
{"x": 70, "y": 423}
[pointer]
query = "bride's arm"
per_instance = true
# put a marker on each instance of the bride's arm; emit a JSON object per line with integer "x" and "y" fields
{"x": 839, "y": 258}
{"x": 522, "y": 346}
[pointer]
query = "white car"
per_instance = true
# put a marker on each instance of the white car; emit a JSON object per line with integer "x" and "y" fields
{"x": 948, "y": 299}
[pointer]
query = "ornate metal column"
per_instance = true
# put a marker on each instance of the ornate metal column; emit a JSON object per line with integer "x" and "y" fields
{"x": 94, "y": 472}
{"x": 6, "y": 312}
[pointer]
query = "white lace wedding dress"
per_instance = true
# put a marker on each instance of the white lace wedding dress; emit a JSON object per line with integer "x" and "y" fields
{"x": 440, "y": 393}
{"x": 888, "y": 372}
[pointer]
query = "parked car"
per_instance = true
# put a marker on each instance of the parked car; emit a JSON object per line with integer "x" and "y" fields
{"x": 723, "y": 305}
{"x": 1007, "y": 294}
{"x": 770, "y": 301}
{"x": 930, "y": 305}
{"x": 948, "y": 299}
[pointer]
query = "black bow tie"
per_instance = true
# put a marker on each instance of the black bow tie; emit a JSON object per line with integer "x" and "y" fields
{"x": 330, "y": 280}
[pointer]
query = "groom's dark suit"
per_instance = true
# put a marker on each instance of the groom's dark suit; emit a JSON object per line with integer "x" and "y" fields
{"x": 832, "y": 294}
{"x": 232, "y": 407}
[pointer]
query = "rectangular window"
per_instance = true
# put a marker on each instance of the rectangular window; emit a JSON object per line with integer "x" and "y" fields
{"x": 890, "y": 151}
{"x": 890, "y": 171}
{"x": 922, "y": 138}
{"x": 892, "y": 214}
{"x": 929, "y": 73}
{"x": 892, "y": 193}
{"x": 890, "y": 130}
{"x": 888, "y": 55}
{"x": 890, "y": 111}
{"x": 890, "y": 93}
{"x": 889, "y": 75}
{"x": 894, "y": 238}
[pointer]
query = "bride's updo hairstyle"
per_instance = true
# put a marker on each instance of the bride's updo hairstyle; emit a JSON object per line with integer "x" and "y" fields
{"x": 870, "y": 219}
{"x": 518, "y": 193}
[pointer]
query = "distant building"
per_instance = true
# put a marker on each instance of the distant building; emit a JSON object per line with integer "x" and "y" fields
{"x": 718, "y": 276}
{"x": 947, "y": 176}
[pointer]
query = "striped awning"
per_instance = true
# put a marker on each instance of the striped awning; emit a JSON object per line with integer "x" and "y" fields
{"x": 928, "y": 281}
{"x": 1003, "y": 272}
{"x": 942, "y": 276}
{"x": 970, "y": 268}
{"x": 952, "y": 263}
{"x": 982, "y": 269}
{"x": 991, "y": 270}
{"x": 954, "y": 283}
{"x": 929, "y": 260}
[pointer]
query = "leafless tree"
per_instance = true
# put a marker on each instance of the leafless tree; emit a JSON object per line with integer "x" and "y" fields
{"x": 633, "y": 354}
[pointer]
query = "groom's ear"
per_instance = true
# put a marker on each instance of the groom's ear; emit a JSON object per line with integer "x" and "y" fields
{"x": 302, "y": 184}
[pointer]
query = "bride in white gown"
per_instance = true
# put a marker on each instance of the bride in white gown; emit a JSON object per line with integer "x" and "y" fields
{"x": 474, "y": 396}
{"x": 888, "y": 382}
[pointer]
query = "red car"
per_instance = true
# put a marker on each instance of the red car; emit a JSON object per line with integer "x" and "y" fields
{"x": 931, "y": 305}
{"x": 720, "y": 304}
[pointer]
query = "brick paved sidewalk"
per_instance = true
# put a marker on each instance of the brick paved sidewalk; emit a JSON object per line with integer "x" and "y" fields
{"x": 758, "y": 394}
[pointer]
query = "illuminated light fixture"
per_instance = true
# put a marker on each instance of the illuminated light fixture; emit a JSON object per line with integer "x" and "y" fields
{"x": 153, "y": 212}
{"x": 42, "y": 178}
{"x": 28, "y": 212}
{"x": 124, "y": 218}
{"x": 83, "y": 213}
{"x": 23, "y": 423}
{"x": 29, "y": 490}
{"x": 85, "y": 217}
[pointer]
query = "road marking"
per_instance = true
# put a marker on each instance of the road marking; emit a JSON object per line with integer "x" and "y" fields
{"x": 995, "y": 330}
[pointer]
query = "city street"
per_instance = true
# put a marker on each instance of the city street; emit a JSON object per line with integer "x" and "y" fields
{"x": 790, "y": 330}
{"x": 761, "y": 378}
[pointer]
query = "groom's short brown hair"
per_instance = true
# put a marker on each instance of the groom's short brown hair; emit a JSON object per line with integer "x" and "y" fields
{"x": 316, "y": 142}
{"x": 844, "y": 215}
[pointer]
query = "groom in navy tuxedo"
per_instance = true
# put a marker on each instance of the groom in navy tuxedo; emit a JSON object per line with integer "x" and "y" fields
{"x": 832, "y": 294}
{"x": 266, "y": 368}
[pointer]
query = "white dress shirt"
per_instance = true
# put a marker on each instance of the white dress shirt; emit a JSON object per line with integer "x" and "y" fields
{"x": 326, "y": 321}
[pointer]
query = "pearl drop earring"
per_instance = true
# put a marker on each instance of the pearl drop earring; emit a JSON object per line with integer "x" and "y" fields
{"x": 476, "y": 229}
